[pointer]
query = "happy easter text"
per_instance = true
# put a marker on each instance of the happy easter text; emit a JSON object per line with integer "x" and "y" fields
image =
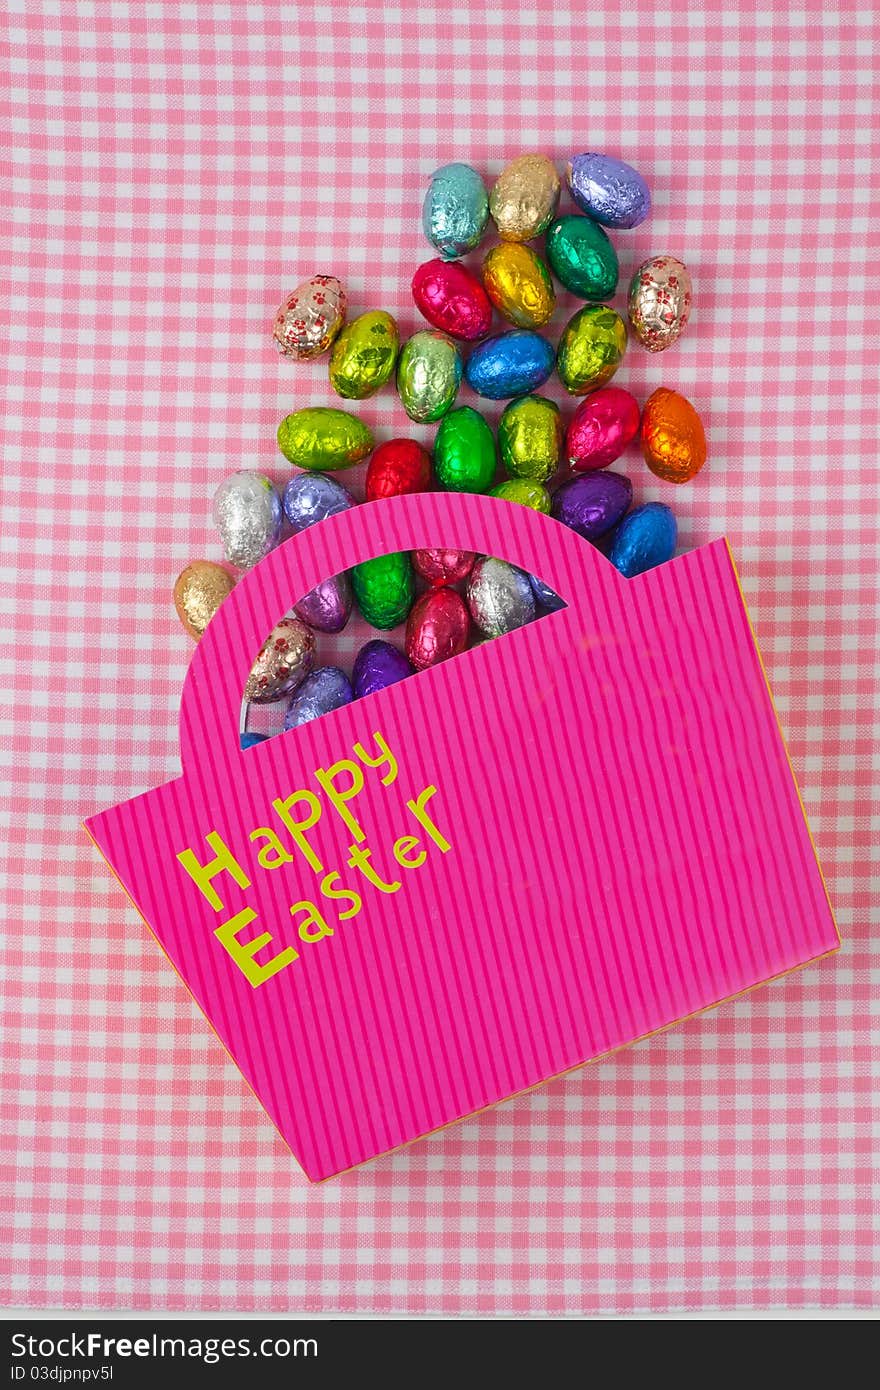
{"x": 290, "y": 839}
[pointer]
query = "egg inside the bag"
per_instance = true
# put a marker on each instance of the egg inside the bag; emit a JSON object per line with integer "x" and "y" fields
{"x": 525, "y": 197}
{"x": 310, "y": 318}
{"x": 519, "y": 285}
{"x": 324, "y": 689}
{"x": 284, "y": 660}
{"x": 499, "y": 597}
{"x": 660, "y": 302}
{"x": 364, "y": 355}
{"x": 437, "y": 628}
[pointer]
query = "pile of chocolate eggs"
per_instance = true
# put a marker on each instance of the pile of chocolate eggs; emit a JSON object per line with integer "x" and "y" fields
{"x": 448, "y": 599}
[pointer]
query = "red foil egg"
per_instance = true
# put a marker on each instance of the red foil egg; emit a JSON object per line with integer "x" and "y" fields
{"x": 443, "y": 566}
{"x": 601, "y": 428}
{"x": 438, "y": 627}
{"x": 398, "y": 466}
{"x": 452, "y": 299}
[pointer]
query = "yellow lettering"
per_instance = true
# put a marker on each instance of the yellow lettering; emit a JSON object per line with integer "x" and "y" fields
{"x": 298, "y": 828}
{"x": 360, "y": 859}
{"x": 243, "y": 952}
{"x": 313, "y": 917}
{"x": 329, "y": 890}
{"x": 325, "y": 777}
{"x": 202, "y": 875}
{"x": 418, "y": 809}
{"x": 403, "y": 847}
{"x": 280, "y": 855}
{"x": 386, "y": 759}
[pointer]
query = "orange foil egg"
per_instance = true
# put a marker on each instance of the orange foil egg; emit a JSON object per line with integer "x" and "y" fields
{"x": 672, "y": 435}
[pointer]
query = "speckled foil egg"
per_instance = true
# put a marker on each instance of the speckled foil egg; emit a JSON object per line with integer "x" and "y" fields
{"x": 660, "y": 302}
{"x": 601, "y": 428}
{"x": 525, "y": 493}
{"x": 428, "y": 375}
{"x": 608, "y": 190}
{"x": 286, "y": 658}
{"x": 464, "y": 452}
{"x": 591, "y": 348}
{"x": 499, "y": 597}
{"x": 364, "y": 355}
{"x": 582, "y": 258}
{"x": 325, "y": 689}
{"x": 199, "y": 591}
{"x": 452, "y": 299}
{"x": 437, "y": 628}
{"x": 519, "y": 285}
{"x": 593, "y": 503}
{"x": 310, "y": 497}
{"x": 443, "y": 566}
{"x": 310, "y": 318}
{"x": 247, "y": 514}
{"x": 525, "y": 197}
{"x": 545, "y": 596}
{"x": 456, "y": 210}
{"x": 323, "y": 439}
{"x": 327, "y": 608}
{"x": 383, "y": 589}
{"x": 530, "y": 433}
{"x": 377, "y": 665}
{"x": 673, "y": 439}
{"x": 398, "y": 466}
{"x": 646, "y": 538}
{"x": 510, "y": 364}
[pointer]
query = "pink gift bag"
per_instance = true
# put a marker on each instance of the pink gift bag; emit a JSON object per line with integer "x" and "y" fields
{"x": 496, "y": 870}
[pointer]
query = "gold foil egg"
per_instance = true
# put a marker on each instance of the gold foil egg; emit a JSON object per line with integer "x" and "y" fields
{"x": 286, "y": 658}
{"x": 660, "y": 302}
{"x": 525, "y": 197}
{"x": 198, "y": 592}
{"x": 364, "y": 355}
{"x": 310, "y": 318}
{"x": 518, "y": 283}
{"x": 672, "y": 435}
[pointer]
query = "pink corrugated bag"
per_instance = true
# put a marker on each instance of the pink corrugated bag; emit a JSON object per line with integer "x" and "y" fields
{"x": 487, "y": 874}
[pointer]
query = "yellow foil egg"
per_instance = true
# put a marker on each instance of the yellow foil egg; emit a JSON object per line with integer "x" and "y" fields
{"x": 524, "y": 200}
{"x": 518, "y": 283}
{"x": 364, "y": 355}
{"x": 198, "y": 592}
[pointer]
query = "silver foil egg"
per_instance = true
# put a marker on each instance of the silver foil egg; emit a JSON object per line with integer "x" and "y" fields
{"x": 247, "y": 513}
{"x": 499, "y": 597}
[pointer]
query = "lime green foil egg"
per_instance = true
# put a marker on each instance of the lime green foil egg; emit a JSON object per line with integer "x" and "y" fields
{"x": 384, "y": 589}
{"x": 591, "y": 348}
{"x": 364, "y": 355}
{"x": 428, "y": 375}
{"x": 526, "y": 493}
{"x": 530, "y": 434}
{"x": 582, "y": 258}
{"x": 464, "y": 452}
{"x": 321, "y": 439}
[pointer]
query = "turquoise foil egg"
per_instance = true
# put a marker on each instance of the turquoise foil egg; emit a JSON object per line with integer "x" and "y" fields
{"x": 456, "y": 210}
{"x": 510, "y": 364}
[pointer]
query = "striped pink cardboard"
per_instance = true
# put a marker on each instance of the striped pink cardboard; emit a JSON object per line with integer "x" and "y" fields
{"x": 490, "y": 873}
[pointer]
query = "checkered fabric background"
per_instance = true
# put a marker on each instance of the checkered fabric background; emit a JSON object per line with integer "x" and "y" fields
{"x": 169, "y": 170}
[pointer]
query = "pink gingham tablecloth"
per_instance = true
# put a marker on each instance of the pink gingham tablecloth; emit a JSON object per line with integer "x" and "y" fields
{"x": 168, "y": 170}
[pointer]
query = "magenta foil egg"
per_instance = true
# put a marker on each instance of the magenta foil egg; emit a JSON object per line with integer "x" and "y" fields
{"x": 438, "y": 627}
{"x": 452, "y": 299}
{"x": 440, "y": 567}
{"x": 601, "y": 428}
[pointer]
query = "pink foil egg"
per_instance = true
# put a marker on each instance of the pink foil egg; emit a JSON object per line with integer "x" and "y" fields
{"x": 438, "y": 627}
{"x": 443, "y": 566}
{"x": 601, "y": 428}
{"x": 452, "y": 299}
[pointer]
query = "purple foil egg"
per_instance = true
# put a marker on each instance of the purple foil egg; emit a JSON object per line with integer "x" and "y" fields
{"x": 326, "y": 689}
{"x": 327, "y": 608}
{"x": 312, "y": 497}
{"x": 608, "y": 190}
{"x": 593, "y": 503}
{"x": 378, "y": 664}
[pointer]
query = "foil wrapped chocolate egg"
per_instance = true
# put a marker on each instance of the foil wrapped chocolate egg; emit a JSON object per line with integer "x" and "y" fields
{"x": 377, "y": 665}
{"x": 452, "y": 299}
{"x": 499, "y": 597}
{"x": 601, "y": 428}
{"x": 383, "y": 589}
{"x": 510, "y": 364}
{"x": 327, "y": 608}
{"x": 248, "y": 740}
{"x": 311, "y": 497}
{"x": 591, "y": 348}
{"x": 646, "y": 538}
{"x": 464, "y": 452}
{"x": 322, "y": 439}
{"x": 428, "y": 375}
{"x": 437, "y": 628}
{"x": 398, "y": 466}
{"x": 364, "y": 355}
{"x": 455, "y": 210}
{"x": 673, "y": 439}
{"x": 518, "y": 284}
{"x": 525, "y": 197}
{"x": 660, "y": 302}
{"x": 524, "y": 492}
{"x": 247, "y": 514}
{"x": 545, "y": 596}
{"x": 608, "y": 190}
{"x": 285, "y": 659}
{"x": 530, "y": 434}
{"x": 443, "y": 566}
{"x": 582, "y": 258}
{"x": 310, "y": 318}
{"x": 593, "y": 503}
{"x": 199, "y": 591}
{"x": 324, "y": 689}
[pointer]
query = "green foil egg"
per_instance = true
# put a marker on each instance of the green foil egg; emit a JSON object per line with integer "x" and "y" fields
{"x": 464, "y": 452}
{"x": 530, "y": 435}
{"x": 428, "y": 375}
{"x": 384, "y": 589}
{"x": 591, "y": 348}
{"x": 528, "y": 494}
{"x": 582, "y": 258}
{"x": 322, "y": 439}
{"x": 364, "y": 355}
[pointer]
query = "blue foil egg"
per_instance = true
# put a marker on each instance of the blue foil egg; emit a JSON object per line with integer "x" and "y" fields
{"x": 644, "y": 539}
{"x": 311, "y": 497}
{"x": 547, "y": 597}
{"x": 510, "y": 364}
{"x": 456, "y": 210}
{"x": 608, "y": 190}
{"x": 377, "y": 665}
{"x": 251, "y": 740}
{"x": 325, "y": 689}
